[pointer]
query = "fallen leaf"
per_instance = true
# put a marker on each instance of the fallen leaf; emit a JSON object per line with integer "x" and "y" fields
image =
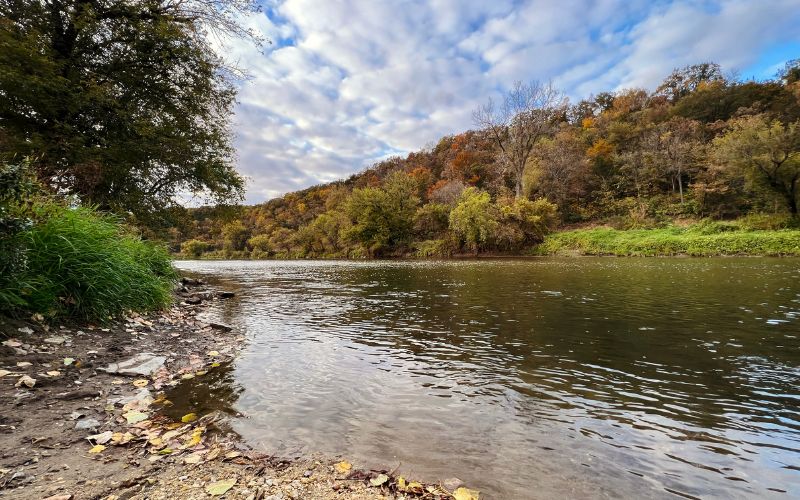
{"x": 141, "y": 382}
{"x": 101, "y": 438}
{"x": 343, "y": 467}
{"x": 200, "y": 373}
{"x": 197, "y": 436}
{"x": 134, "y": 416}
{"x": 25, "y": 330}
{"x": 24, "y": 364}
{"x": 97, "y": 448}
{"x": 54, "y": 373}
{"x": 3, "y": 373}
{"x": 213, "y": 353}
{"x": 68, "y": 361}
{"x": 377, "y": 481}
{"x": 465, "y": 494}
{"x": 189, "y": 417}
{"x": 165, "y": 451}
{"x": 401, "y": 483}
{"x": 212, "y": 455}
{"x": 220, "y": 487}
{"x": 27, "y": 381}
{"x": 187, "y": 376}
{"x": 415, "y": 487}
{"x": 215, "y": 365}
{"x": 194, "y": 458}
{"x": 233, "y": 454}
{"x": 156, "y": 441}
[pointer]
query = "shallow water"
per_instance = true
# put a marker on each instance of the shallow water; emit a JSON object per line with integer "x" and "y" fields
{"x": 538, "y": 378}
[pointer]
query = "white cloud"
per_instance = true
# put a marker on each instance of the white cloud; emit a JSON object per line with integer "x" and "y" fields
{"x": 349, "y": 82}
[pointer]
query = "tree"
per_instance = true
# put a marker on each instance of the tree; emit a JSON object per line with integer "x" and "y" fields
{"x": 561, "y": 169}
{"x": 528, "y": 113}
{"x": 472, "y": 219}
{"x": 686, "y": 80}
{"x": 194, "y": 248}
{"x": 768, "y": 150}
{"x": 672, "y": 148}
{"x": 123, "y": 103}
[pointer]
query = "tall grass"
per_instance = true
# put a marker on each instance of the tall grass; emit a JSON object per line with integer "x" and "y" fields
{"x": 79, "y": 263}
{"x": 703, "y": 239}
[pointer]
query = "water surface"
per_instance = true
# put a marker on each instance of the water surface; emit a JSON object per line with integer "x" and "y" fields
{"x": 538, "y": 378}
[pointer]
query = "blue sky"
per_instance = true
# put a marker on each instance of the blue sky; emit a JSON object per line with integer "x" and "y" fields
{"x": 349, "y": 82}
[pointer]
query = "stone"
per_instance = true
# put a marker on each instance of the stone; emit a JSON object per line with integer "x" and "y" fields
{"x": 220, "y": 326}
{"x": 193, "y": 300}
{"x": 87, "y": 423}
{"x": 143, "y": 395}
{"x": 55, "y": 340}
{"x": 225, "y": 295}
{"x": 143, "y": 364}
{"x": 452, "y": 483}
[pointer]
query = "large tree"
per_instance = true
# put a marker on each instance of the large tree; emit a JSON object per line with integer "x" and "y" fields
{"x": 768, "y": 150}
{"x": 528, "y": 113}
{"x": 124, "y": 103}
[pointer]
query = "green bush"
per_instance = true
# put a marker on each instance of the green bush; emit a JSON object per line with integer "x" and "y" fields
{"x": 81, "y": 264}
{"x": 194, "y": 248}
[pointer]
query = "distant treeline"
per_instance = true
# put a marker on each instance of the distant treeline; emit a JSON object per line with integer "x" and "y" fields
{"x": 701, "y": 146}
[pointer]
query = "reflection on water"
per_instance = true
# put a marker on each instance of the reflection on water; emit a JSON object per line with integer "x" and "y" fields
{"x": 541, "y": 378}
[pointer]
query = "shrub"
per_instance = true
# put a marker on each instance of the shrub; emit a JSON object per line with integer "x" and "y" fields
{"x": 79, "y": 263}
{"x": 472, "y": 219}
{"x": 194, "y": 248}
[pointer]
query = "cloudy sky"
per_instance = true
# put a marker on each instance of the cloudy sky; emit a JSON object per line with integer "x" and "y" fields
{"x": 348, "y": 82}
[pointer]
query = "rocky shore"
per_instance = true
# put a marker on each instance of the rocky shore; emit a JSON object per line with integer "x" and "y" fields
{"x": 86, "y": 415}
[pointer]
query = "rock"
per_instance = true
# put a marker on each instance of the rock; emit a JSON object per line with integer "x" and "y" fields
{"x": 59, "y": 497}
{"x": 225, "y": 295}
{"x": 220, "y": 326}
{"x": 55, "y": 340}
{"x": 189, "y": 281}
{"x": 87, "y": 423}
{"x": 452, "y": 484}
{"x": 193, "y": 300}
{"x": 143, "y": 395}
{"x": 79, "y": 394}
{"x": 25, "y": 330}
{"x": 26, "y": 381}
{"x": 143, "y": 364}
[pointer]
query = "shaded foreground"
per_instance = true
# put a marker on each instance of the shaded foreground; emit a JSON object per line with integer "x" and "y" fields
{"x": 80, "y": 423}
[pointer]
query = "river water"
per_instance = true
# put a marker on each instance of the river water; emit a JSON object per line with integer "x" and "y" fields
{"x": 536, "y": 378}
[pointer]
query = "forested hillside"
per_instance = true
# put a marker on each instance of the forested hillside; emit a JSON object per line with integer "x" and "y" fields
{"x": 701, "y": 146}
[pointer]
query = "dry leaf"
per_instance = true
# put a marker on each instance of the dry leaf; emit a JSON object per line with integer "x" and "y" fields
{"x": 189, "y": 417}
{"x": 53, "y": 373}
{"x": 25, "y": 380}
{"x": 194, "y": 458}
{"x": 465, "y": 494}
{"x": 220, "y": 487}
{"x": 3, "y": 373}
{"x": 97, "y": 448}
{"x": 24, "y": 364}
{"x": 134, "y": 416}
{"x": 141, "y": 382}
{"x": 213, "y": 353}
{"x": 68, "y": 361}
{"x": 377, "y": 481}
{"x": 101, "y": 438}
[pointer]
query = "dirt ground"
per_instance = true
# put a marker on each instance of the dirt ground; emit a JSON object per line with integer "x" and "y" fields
{"x": 78, "y": 422}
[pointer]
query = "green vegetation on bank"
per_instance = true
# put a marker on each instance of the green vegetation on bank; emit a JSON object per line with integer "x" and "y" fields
{"x": 700, "y": 146}
{"x": 62, "y": 261}
{"x": 702, "y": 239}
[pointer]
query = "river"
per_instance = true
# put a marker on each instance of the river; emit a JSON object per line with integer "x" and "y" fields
{"x": 527, "y": 378}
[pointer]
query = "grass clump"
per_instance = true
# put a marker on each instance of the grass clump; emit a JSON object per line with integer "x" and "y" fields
{"x": 82, "y": 264}
{"x": 707, "y": 238}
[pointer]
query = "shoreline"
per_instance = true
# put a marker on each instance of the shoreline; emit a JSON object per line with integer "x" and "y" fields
{"x": 86, "y": 417}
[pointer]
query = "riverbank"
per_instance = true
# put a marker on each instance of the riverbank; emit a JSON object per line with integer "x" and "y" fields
{"x": 696, "y": 241}
{"x": 86, "y": 416}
